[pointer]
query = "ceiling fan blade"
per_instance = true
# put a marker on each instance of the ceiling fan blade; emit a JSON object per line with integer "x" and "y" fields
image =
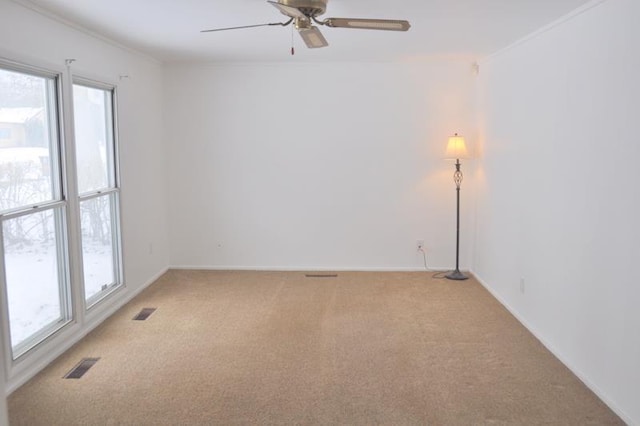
{"x": 284, "y": 24}
{"x": 289, "y": 11}
{"x": 312, "y": 37}
{"x": 368, "y": 24}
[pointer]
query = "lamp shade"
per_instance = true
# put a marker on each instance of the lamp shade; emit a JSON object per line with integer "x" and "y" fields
{"x": 456, "y": 148}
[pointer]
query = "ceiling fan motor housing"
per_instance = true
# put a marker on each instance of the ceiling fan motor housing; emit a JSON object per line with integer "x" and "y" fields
{"x": 310, "y": 8}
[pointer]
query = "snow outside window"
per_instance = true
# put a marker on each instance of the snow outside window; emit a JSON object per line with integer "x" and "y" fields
{"x": 33, "y": 263}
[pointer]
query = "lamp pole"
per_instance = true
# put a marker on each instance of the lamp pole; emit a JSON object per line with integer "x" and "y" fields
{"x": 457, "y": 178}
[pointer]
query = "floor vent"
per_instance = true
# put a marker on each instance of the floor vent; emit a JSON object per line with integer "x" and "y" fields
{"x": 321, "y": 275}
{"x": 144, "y": 314}
{"x": 82, "y": 367}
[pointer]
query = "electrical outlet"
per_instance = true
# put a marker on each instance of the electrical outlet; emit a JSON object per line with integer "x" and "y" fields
{"x": 419, "y": 245}
{"x": 522, "y": 286}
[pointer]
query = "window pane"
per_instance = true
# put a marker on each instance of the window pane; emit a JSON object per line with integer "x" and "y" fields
{"x": 33, "y": 272}
{"x": 28, "y": 137}
{"x": 94, "y": 138}
{"x": 95, "y": 155}
{"x": 98, "y": 244}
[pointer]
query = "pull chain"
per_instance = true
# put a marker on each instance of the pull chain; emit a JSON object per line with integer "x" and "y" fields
{"x": 293, "y": 50}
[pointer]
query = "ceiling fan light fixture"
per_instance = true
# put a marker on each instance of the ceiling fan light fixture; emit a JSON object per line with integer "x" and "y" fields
{"x": 302, "y": 24}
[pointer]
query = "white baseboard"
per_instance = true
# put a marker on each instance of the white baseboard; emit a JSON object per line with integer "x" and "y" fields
{"x": 27, "y": 369}
{"x": 603, "y": 396}
{"x": 306, "y": 268}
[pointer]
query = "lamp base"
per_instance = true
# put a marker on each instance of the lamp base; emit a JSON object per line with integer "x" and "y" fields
{"x": 456, "y": 275}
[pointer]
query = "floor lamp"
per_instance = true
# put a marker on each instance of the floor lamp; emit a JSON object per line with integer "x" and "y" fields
{"x": 456, "y": 149}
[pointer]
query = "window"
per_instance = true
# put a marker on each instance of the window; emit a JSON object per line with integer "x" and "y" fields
{"x": 34, "y": 261}
{"x": 98, "y": 188}
{"x": 38, "y": 227}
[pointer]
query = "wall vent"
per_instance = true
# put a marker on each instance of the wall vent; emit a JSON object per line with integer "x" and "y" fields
{"x": 321, "y": 275}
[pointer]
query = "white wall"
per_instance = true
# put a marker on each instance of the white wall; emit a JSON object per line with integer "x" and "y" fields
{"x": 307, "y": 166}
{"x": 31, "y": 38}
{"x": 557, "y": 198}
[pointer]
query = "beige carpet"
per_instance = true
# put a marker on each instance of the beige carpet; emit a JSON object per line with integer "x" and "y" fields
{"x": 279, "y": 348}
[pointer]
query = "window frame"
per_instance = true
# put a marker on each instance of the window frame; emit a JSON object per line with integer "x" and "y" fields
{"x": 58, "y": 205}
{"x": 113, "y": 192}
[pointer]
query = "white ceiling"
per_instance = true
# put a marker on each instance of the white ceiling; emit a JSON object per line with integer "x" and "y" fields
{"x": 169, "y": 30}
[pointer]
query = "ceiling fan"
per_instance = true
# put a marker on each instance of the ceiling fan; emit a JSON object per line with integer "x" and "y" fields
{"x": 304, "y": 13}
